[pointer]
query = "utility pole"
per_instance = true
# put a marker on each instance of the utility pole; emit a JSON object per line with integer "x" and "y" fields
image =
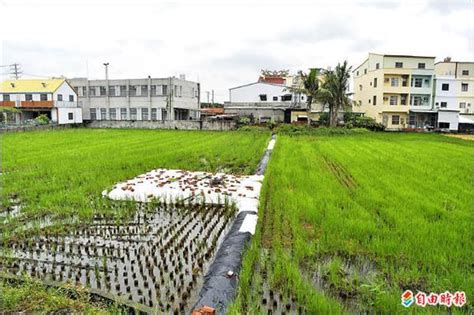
{"x": 207, "y": 92}
{"x": 212, "y": 98}
{"x": 15, "y": 70}
{"x": 106, "y": 64}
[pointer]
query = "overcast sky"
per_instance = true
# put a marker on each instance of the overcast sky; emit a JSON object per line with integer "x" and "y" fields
{"x": 223, "y": 43}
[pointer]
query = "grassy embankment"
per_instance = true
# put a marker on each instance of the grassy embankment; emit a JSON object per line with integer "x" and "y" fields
{"x": 348, "y": 222}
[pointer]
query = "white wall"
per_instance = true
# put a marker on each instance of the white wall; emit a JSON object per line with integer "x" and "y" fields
{"x": 449, "y": 117}
{"x": 65, "y": 90}
{"x": 63, "y": 115}
{"x": 251, "y": 93}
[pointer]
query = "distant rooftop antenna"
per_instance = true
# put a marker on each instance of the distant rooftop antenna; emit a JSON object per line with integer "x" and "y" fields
{"x": 447, "y": 59}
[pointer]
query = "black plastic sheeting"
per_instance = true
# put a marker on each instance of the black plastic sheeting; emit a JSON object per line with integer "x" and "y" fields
{"x": 219, "y": 289}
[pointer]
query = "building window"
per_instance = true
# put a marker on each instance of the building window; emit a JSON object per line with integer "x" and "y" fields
{"x": 103, "y": 91}
{"x": 465, "y": 72}
{"x": 93, "y": 114}
{"x": 445, "y": 86}
{"x": 462, "y": 105}
{"x": 84, "y": 91}
{"x": 394, "y": 82}
{"x": 395, "y": 119}
{"x": 444, "y": 104}
{"x": 154, "y": 113}
{"x": 286, "y": 97}
{"x": 377, "y": 65}
{"x": 70, "y": 116}
{"x": 393, "y": 100}
{"x": 123, "y": 114}
{"x": 144, "y": 113}
{"x": 418, "y": 82}
{"x": 133, "y": 113}
{"x": 421, "y": 65}
{"x": 144, "y": 90}
{"x": 111, "y": 90}
{"x": 60, "y": 97}
{"x": 403, "y": 99}
{"x": 164, "y": 90}
{"x": 103, "y": 113}
{"x": 123, "y": 90}
{"x": 133, "y": 90}
{"x": 71, "y": 98}
{"x": 44, "y": 97}
{"x": 357, "y": 73}
{"x": 153, "y": 90}
{"x": 411, "y": 120}
{"x": 180, "y": 91}
{"x": 29, "y": 97}
{"x": 464, "y": 87}
{"x": 92, "y": 91}
{"x": 365, "y": 71}
{"x": 375, "y": 82}
{"x": 113, "y": 114}
{"x": 398, "y": 64}
{"x": 443, "y": 125}
{"x": 360, "y": 87}
{"x": 275, "y": 98}
{"x": 176, "y": 91}
{"x": 6, "y": 97}
{"x": 263, "y": 97}
{"x": 374, "y": 102}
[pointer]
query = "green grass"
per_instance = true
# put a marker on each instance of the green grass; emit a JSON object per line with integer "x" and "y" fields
{"x": 64, "y": 172}
{"x": 374, "y": 213}
{"x": 33, "y": 297}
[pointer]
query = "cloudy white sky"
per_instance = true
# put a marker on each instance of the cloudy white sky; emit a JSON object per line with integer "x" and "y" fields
{"x": 223, "y": 43}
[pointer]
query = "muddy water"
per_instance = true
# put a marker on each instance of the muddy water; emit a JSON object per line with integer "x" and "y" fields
{"x": 156, "y": 259}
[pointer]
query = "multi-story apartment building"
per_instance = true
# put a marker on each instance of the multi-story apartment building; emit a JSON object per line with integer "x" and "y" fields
{"x": 160, "y": 99}
{"x": 54, "y": 98}
{"x": 396, "y": 90}
{"x": 454, "y": 94}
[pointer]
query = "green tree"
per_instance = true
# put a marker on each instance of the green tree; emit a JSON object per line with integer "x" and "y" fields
{"x": 333, "y": 91}
{"x": 309, "y": 87}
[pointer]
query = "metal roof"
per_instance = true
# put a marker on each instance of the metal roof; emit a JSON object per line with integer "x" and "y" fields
{"x": 31, "y": 86}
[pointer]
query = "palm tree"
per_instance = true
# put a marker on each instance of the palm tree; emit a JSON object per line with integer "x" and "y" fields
{"x": 309, "y": 87}
{"x": 333, "y": 91}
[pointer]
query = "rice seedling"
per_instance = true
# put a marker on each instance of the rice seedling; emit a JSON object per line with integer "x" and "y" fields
{"x": 348, "y": 222}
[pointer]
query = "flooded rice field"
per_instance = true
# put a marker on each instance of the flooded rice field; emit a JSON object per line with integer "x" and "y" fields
{"x": 154, "y": 261}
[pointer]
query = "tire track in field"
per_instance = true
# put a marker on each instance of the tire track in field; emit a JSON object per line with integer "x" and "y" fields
{"x": 341, "y": 173}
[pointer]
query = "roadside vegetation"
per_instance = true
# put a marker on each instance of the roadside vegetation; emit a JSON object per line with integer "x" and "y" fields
{"x": 347, "y": 222}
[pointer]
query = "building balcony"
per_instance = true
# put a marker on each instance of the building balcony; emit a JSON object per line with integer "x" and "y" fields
{"x": 36, "y": 104}
{"x": 7, "y": 103}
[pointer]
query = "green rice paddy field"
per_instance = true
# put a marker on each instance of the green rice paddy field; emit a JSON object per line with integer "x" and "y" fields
{"x": 349, "y": 222}
{"x": 346, "y": 222}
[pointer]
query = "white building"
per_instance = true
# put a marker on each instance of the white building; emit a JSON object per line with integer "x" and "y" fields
{"x": 265, "y": 101}
{"x": 454, "y": 94}
{"x": 156, "y": 99}
{"x": 52, "y": 97}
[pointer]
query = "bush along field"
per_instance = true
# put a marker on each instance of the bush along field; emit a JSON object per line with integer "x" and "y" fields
{"x": 56, "y": 226}
{"x": 348, "y": 222}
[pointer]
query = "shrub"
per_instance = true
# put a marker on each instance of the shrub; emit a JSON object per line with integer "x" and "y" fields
{"x": 321, "y": 131}
{"x": 356, "y": 121}
{"x": 42, "y": 119}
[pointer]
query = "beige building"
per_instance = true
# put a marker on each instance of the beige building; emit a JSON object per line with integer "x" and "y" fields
{"x": 396, "y": 90}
